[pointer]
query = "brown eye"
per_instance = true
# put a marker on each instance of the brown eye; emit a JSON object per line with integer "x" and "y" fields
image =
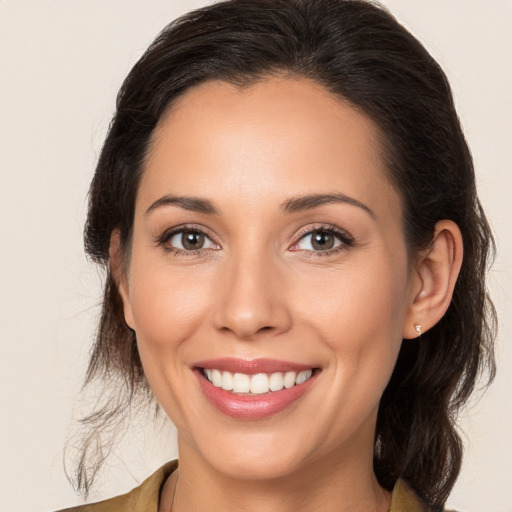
{"x": 192, "y": 240}
{"x": 325, "y": 240}
{"x": 188, "y": 240}
{"x": 322, "y": 240}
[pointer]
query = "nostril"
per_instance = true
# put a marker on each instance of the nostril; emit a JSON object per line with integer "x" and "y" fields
{"x": 250, "y": 315}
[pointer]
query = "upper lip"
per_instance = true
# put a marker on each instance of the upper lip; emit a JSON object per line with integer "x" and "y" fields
{"x": 252, "y": 366}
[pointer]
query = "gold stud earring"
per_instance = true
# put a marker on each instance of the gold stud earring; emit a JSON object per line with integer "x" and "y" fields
{"x": 418, "y": 329}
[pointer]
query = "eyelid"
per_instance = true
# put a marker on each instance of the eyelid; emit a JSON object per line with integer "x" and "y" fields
{"x": 344, "y": 236}
{"x": 164, "y": 238}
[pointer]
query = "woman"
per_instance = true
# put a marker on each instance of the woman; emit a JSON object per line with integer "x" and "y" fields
{"x": 286, "y": 208}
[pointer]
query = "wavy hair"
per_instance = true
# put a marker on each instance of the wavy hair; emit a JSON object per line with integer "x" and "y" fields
{"x": 358, "y": 51}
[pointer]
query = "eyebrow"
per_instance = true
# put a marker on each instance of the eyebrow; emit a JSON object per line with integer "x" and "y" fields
{"x": 293, "y": 205}
{"x": 195, "y": 204}
{"x": 308, "y": 202}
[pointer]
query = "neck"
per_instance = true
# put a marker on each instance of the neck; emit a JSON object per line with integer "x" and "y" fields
{"x": 343, "y": 488}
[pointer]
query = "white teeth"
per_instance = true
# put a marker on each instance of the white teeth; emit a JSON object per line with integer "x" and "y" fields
{"x": 256, "y": 384}
{"x": 276, "y": 381}
{"x": 289, "y": 379}
{"x": 241, "y": 383}
{"x": 216, "y": 378}
{"x": 259, "y": 384}
{"x": 227, "y": 381}
{"x": 303, "y": 376}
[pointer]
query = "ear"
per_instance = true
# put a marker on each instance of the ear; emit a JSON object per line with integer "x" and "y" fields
{"x": 434, "y": 279}
{"x": 119, "y": 273}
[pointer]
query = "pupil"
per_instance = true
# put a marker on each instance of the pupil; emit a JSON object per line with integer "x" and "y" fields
{"x": 192, "y": 240}
{"x": 322, "y": 240}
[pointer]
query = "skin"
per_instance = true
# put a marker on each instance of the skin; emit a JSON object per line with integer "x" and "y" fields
{"x": 259, "y": 289}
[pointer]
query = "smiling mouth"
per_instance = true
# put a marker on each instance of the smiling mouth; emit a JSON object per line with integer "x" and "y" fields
{"x": 254, "y": 389}
{"x": 256, "y": 384}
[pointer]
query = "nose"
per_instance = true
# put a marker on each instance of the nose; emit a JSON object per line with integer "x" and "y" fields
{"x": 252, "y": 298}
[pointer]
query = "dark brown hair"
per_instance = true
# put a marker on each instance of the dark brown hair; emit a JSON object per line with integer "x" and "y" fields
{"x": 358, "y": 51}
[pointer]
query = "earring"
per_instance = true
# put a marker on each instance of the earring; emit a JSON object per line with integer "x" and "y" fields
{"x": 418, "y": 329}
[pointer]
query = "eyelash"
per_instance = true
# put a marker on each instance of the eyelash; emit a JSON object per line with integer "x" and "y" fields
{"x": 343, "y": 236}
{"x": 163, "y": 241}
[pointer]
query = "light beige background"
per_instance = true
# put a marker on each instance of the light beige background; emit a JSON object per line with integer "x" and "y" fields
{"x": 61, "y": 63}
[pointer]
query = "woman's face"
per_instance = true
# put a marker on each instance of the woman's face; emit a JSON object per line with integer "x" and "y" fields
{"x": 268, "y": 249}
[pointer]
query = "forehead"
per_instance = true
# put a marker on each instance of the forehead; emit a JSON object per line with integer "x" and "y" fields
{"x": 278, "y": 137}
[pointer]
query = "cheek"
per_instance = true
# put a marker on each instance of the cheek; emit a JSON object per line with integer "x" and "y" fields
{"x": 358, "y": 298}
{"x": 359, "y": 311}
{"x": 359, "y": 319}
{"x": 167, "y": 305}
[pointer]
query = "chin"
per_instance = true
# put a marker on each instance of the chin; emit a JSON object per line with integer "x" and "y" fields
{"x": 254, "y": 465}
{"x": 257, "y": 455}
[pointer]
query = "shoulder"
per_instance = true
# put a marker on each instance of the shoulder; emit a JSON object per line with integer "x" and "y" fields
{"x": 143, "y": 498}
{"x": 404, "y": 499}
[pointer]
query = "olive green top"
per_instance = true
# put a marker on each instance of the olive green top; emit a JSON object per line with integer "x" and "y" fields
{"x": 144, "y": 498}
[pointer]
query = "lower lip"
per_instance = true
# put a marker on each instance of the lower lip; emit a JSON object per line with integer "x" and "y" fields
{"x": 252, "y": 407}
